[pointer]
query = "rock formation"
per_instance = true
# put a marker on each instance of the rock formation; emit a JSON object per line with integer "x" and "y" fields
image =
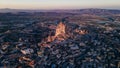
{"x": 60, "y": 33}
{"x": 60, "y": 30}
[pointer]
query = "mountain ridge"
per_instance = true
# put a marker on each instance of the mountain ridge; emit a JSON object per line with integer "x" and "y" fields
{"x": 80, "y": 11}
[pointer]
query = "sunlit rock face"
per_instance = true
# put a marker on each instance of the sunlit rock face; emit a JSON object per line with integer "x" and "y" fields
{"x": 81, "y": 32}
{"x": 60, "y": 30}
{"x": 60, "y": 33}
{"x": 51, "y": 38}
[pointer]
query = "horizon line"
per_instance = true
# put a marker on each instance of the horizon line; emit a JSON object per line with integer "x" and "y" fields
{"x": 58, "y": 9}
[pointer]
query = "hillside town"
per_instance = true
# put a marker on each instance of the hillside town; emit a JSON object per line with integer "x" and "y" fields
{"x": 59, "y": 40}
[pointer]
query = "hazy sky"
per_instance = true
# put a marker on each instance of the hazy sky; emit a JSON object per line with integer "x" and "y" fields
{"x": 59, "y": 4}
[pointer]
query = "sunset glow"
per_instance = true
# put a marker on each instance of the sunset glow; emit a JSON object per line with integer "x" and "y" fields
{"x": 59, "y": 4}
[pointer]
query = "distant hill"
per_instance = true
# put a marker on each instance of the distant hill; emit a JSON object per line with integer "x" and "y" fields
{"x": 92, "y": 11}
{"x": 97, "y": 11}
{"x": 79, "y": 11}
{"x": 6, "y": 10}
{"x": 9, "y": 10}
